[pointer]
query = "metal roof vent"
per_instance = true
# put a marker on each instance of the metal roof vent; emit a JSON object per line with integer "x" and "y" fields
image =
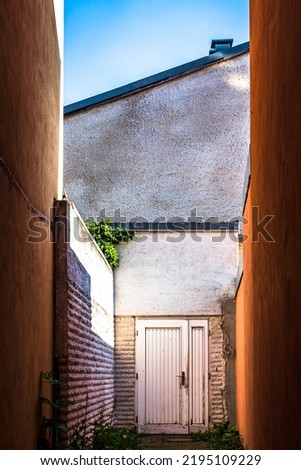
{"x": 220, "y": 45}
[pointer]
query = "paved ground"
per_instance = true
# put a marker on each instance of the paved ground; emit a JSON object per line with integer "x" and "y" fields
{"x": 171, "y": 442}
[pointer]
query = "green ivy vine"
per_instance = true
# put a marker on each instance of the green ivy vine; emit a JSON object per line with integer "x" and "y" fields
{"x": 107, "y": 238}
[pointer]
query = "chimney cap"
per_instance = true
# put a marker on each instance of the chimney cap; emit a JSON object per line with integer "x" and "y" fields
{"x": 220, "y": 45}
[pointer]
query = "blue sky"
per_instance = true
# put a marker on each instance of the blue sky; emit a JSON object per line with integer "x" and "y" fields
{"x": 109, "y": 43}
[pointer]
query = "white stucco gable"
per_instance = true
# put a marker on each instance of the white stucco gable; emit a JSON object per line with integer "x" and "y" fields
{"x": 165, "y": 150}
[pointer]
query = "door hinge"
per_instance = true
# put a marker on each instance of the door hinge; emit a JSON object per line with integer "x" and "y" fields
{"x": 136, "y": 419}
{"x": 136, "y": 375}
{"x": 209, "y": 376}
{"x": 209, "y": 333}
{"x": 209, "y": 419}
{"x": 136, "y": 332}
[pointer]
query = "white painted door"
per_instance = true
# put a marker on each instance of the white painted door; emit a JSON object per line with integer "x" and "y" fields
{"x": 172, "y": 376}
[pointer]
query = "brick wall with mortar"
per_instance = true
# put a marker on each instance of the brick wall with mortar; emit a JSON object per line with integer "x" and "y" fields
{"x": 217, "y": 367}
{"x": 85, "y": 357}
{"x": 125, "y": 372}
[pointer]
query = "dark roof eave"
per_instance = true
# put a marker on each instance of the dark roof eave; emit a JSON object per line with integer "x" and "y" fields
{"x": 157, "y": 79}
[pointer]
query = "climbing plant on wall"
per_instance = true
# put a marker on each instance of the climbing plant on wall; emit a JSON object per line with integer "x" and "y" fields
{"x": 107, "y": 238}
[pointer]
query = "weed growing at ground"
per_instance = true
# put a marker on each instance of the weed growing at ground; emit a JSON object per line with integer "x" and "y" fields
{"x": 220, "y": 437}
{"x": 103, "y": 437}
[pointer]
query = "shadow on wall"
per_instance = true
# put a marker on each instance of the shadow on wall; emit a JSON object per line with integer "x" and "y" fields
{"x": 229, "y": 353}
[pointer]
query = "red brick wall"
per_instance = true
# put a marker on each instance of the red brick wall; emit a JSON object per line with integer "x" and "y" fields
{"x": 85, "y": 360}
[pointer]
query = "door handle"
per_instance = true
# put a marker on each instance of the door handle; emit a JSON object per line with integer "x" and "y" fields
{"x": 182, "y": 376}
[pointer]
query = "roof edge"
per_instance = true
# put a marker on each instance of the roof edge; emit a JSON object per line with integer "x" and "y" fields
{"x": 157, "y": 78}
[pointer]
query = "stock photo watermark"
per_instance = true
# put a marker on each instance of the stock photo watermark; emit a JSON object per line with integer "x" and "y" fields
{"x": 176, "y": 229}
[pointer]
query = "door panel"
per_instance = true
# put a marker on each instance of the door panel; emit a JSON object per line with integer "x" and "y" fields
{"x": 199, "y": 377}
{"x": 162, "y": 391}
{"x": 170, "y": 387}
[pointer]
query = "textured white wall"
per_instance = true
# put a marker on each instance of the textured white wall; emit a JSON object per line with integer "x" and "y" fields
{"x": 102, "y": 289}
{"x": 166, "y": 150}
{"x": 184, "y": 278}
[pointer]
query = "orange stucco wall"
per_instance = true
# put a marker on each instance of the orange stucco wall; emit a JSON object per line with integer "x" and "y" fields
{"x": 242, "y": 339}
{"x": 269, "y": 302}
{"x": 29, "y": 109}
{"x": 240, "y": 358}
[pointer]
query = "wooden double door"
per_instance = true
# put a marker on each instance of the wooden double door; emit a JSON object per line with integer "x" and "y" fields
{"x": 172, "y": 376}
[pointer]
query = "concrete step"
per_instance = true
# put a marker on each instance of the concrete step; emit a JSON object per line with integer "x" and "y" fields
{"x": 171, "y": 442}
